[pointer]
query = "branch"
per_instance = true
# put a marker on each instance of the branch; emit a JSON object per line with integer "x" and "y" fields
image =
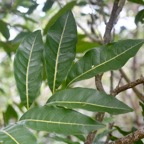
{"x": 139, "y": 95}
{"x": 130, "y": 138}
{"x": 117, "y": 7}
{"x": 128, "y": 86}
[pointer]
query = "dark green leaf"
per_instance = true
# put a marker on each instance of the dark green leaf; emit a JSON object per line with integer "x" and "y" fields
{"x": 59, "y": 120}
{"x": 32, "y": 8}
{"x": 4, "y": 29}
{"x": 48, "y": 4}
{"x": 88, "y": 99}
{"x": 137, "y": 1}
{"x": 140, "y": 17}
{"x": 17, "y": 134}
{"x": 109, "y": 57}
{"x": 10, "y": 114}
{"x": 142, "y": 106}
{"x": 20, "y": 37}
{"x": 28, "y": 67}
{"x": 60, "y": 49}
{"x": 62, "y": 11}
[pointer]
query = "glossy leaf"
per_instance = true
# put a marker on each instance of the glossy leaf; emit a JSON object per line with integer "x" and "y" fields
{"x": 16, "y": 134}
{"x": 140, "y": 17}
{"x": 61, "y": 12}
{"x": 59, "y": 120}
{"x": 88, "y": 99}
{"x": 28, "y": 67}
{"x": 4, "y": 29}
{"x": 109, "y": 57}
{"x": 60, "y": 49}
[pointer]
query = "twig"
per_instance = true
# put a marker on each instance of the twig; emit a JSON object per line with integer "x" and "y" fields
{"x": 91, "y": 37}
{"x": 130, "y": 138}
{"x": 117, "y": 7}
{"x": 110, "y": 133}
{"x": 128, "y": 86}
{"x": 139, "y": 95}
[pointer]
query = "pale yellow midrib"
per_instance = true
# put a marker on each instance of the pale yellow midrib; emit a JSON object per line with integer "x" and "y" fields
{"x": 102, "y": 63}
{"x": 56, "y": 65}
{"x": 11, "y": 137}
{"x": 54, "y": 122}
{"x": 27, "y": 73}
{"x": 84, "y": 104}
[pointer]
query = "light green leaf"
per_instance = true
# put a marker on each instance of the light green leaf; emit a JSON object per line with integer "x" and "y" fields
{"x": 4, "y": 29}
{"x": 88, "y": 99}
{"x": 16, "y": 134}
{"x": 109, "y": 57}
{"x": 60, "y": 49}
{"x": 62, "y": 11}
{"x": 59, "y": 120}
{"x": 28, "y": 67}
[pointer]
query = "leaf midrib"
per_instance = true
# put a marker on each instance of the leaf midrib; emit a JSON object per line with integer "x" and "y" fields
{"x": 84, "y": 104}
{"x": 11, "y": 137}
{"x": 62, "y": 123}
{"x": 58, "y": 53}
{"x": 27, "y": 72}
{"x": 102, "y": 64}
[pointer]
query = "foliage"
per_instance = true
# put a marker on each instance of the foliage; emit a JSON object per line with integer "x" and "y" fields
{"x": 53, "y": 52}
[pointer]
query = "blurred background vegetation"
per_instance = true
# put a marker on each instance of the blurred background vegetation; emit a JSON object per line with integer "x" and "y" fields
{"x": 20, "y": 17}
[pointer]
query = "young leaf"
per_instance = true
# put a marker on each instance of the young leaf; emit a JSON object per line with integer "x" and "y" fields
{"x": 16, "y": 134}
{"x": 88, "y": 99}
{"x": 109, "y": 57}
{"x": 28, "y": 67}
{"x": 59, "y": 120}
{"x": 62, "y": 11}
{"x": 60, "y": 49}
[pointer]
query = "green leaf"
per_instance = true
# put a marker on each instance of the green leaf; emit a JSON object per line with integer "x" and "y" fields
{"x": 60, "y": 49}
{"x": 9, "y": 114}
{"x": 88, "y": 99}
{"x": 109, "y": 57}
{"x": 137, "y": 1}
{"x": 48, "y": 4}
{"x": 59, "y": 120}
{"x": 16, "y": 134}
{"x": 61, "y": 12}
{"x": 4, "y": 29}
{"x": 140, "y": 17}
{"x": 28, "y": 67}
{"x": 83, "y": 46}
{"x": 20, "y": 37}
